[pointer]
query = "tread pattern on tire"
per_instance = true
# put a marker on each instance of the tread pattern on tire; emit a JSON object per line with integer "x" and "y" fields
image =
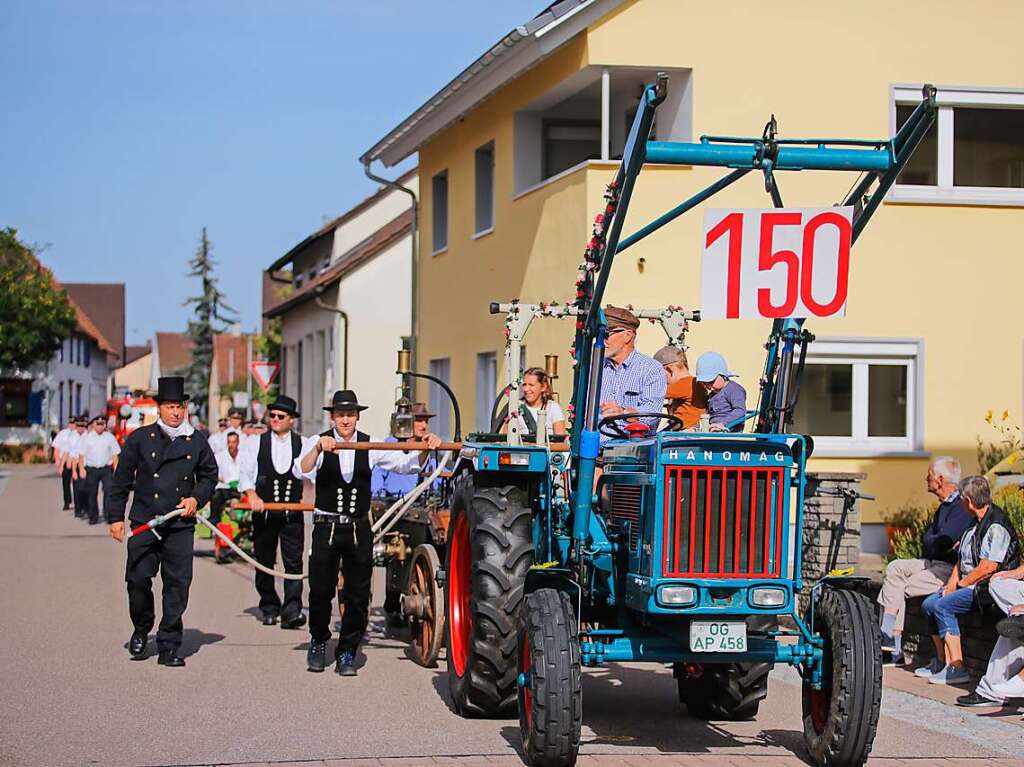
{"x": 847, "y": 620}
{"x": 501, "y": 540}
{"x": 730, "y": 691}
{"x": 549, "y": 621}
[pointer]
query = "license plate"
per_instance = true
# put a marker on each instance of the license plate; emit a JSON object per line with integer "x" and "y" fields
{"x": 718, "y": 636}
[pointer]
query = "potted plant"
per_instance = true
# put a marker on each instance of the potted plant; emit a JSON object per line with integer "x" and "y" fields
{"x": 904, "y": 523}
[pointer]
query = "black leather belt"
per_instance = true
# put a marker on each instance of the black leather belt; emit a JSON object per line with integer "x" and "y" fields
{"x": 332, "y": 518}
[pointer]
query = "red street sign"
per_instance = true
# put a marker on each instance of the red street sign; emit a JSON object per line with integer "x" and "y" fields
{"x": 264, "y": 372}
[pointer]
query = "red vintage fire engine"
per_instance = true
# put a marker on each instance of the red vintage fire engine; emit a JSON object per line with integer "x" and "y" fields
{"x": 128, "y": 413}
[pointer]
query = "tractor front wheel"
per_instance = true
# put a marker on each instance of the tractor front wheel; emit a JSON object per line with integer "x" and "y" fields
{"x": 550, "y": 683}
{"x": 490, "y": 550}
{"x": 840, "y": 719}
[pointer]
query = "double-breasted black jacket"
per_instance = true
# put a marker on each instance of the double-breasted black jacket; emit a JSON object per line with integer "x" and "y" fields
{"x": 161, "y": 473}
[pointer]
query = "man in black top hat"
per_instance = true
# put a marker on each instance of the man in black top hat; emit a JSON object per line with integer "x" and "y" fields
{"x": 169, "y": 465}
{"x": 267, "y": 476}
{"x": 341, "y": 527}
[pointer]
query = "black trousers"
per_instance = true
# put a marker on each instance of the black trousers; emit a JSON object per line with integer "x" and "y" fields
{"x": 270, "y": 528}
{"x": 171, "y": 555}
{"x": 65, "y": 481}
{"x": 94, "y": 478}
{"x": 350, "y": 549}
{"x": 78, "y": 488}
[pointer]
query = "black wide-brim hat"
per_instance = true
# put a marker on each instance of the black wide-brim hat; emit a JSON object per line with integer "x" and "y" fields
{"x": 171, "y": 389}
{"x": 285, "y": 404}
{"x": 345, "y": 400}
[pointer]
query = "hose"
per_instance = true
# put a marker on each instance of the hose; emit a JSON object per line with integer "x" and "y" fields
{"x": 397, "y": 510}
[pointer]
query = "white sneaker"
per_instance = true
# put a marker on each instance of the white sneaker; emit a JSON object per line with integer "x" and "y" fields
{"x": 927, "y": 672}
{"x": 1011, "y": 688}
{"x": 950, "y": 675}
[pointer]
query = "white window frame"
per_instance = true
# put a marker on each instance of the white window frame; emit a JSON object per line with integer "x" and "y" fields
{"x": 947, "y": 98}
{"x": 486, "y": 388}
{"x": 860, "y": 353}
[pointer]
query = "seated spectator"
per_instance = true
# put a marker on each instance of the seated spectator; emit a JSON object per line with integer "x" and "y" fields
{"x": 986, "y": 547}
{"x": 1004, "y": 677}
{"x": 686, "y": 400}
{"x": 727, "y": 400}
{"x": 920, "y": 577}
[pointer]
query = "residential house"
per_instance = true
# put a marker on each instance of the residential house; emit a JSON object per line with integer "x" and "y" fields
{"x": 172, "y": 354}
{"x": 517, "y": 150}
{"x": 229, "y": 369}
{"x": 350, "y": 308}
{"x": 137, "y": 370}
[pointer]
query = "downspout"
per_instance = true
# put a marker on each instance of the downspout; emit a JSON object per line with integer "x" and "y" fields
{"x": 414, "y": 271}
{"x": 318, "y": 291}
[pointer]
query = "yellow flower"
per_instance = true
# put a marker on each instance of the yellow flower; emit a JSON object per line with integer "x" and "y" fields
{"x": 1013, "y": 458}
{"x": 1006, "y": 414}
{"x": 988, "y": 416}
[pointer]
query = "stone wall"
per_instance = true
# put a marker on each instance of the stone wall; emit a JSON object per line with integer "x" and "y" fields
{"x": 823, "y": 514}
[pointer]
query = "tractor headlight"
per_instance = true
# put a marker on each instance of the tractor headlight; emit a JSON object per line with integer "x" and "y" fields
{"x": 768, "y": 596}
{"x": 677, "y": 596}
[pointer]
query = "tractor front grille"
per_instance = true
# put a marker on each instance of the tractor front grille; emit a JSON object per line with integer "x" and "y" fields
{"x": 723, "y": 522}
{"x": 626, "y": 501}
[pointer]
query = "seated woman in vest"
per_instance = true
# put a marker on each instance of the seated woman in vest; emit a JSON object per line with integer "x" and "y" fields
{"x": 536, "y": 396}
{"x": 988, "y": 546}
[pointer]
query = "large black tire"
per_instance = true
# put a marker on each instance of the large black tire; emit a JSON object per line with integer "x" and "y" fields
{"x": 490, "y": 550}
{"x": 551, "y": 699}
{"x": 841, "y": 719}
{"x": 729, "y": 691}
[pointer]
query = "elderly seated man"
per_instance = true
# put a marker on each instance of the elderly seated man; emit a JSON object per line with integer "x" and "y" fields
{"x": 1004, "y": 677}
{"x": 920, "y": 577}
{"x": 989, "y": 546}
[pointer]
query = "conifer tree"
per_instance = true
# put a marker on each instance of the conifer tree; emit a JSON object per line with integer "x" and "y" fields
{"x": 212, "y": 314}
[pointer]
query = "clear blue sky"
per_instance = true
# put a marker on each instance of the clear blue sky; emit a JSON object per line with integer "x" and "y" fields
{"x": 129, "y": 125}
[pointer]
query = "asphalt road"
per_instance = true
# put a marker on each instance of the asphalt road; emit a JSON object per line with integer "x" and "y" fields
{"x": 70, "y": 696}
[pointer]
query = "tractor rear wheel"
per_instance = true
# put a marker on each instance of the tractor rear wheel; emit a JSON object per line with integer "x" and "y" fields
{"x": 730, "y": 691}
{"x": 840, "y": 719}
{"x": 490, "y": 550}
{"x": 550, "y": 682}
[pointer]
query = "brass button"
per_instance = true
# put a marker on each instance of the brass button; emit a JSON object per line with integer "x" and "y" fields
{"x": 156, "y": 495}
{"x": 154, "y": 455}
{"x": 156, "y": 476}
{"x": 188, "y": 457}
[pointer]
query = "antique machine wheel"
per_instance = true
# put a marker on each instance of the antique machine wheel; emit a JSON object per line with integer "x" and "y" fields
{"x": 423, "y": 605}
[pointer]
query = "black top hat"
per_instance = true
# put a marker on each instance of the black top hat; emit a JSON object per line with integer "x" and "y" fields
{"x": 345, "y": 400}
{"x": 285, "y": 404}
{"x": 171, "y": 389}
{"x": 236, "y": 412}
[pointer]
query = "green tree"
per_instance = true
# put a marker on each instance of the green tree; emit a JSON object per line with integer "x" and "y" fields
{"x": 210, "y": 308}
{"x": 35, "y": 314}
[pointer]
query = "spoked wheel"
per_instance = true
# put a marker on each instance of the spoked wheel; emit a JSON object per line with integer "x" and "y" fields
{"x": 423, "y": 604}
{"x": 840, "y": 719}
{"x": 550, "y": 683}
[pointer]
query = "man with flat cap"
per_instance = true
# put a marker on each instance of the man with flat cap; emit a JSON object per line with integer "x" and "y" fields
{"x": 267, "y": 476}
{"x": 631, "y": 382}
{"x": 170, "y": 466}
{"x": 341, "y": 527}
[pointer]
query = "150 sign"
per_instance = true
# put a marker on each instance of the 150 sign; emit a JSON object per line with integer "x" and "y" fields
{"x": 785, "y": 262}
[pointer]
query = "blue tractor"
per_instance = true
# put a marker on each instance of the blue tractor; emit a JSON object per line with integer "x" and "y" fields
{"x": 630, "y": 544}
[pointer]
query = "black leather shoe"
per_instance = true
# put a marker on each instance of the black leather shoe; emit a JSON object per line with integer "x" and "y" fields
{"x": 67, "y": 507}
{"x": 345, "y": 664}
{"x": 972, "y": 700}
{"x": 137, "y": 645}
{"x": 94, "y": 521}
{"x": 1011, "y": 627}
{"x": 294, "y": 623}
{"x": 269, "y": 620}
{"x": 170, "y": 658}
{"x": 316, "y": 658}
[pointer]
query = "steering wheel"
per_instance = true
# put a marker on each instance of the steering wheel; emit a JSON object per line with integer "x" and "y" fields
{"x": 617, "y": 431}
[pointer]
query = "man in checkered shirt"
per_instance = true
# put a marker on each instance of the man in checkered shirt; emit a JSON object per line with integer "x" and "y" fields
{"x": 631, "y": 382}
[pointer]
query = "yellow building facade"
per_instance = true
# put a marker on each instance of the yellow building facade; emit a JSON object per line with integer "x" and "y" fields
{"x": 930, "y": 340}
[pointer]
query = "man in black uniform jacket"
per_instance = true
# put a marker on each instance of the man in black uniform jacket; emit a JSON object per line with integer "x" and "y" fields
{"x": 170, "y": 466}
{"x": 341, "y": 527}
{"x": 267, "y": 475}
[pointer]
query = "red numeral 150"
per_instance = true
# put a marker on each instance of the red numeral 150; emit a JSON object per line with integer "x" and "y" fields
{"x": 798, "y": 280}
